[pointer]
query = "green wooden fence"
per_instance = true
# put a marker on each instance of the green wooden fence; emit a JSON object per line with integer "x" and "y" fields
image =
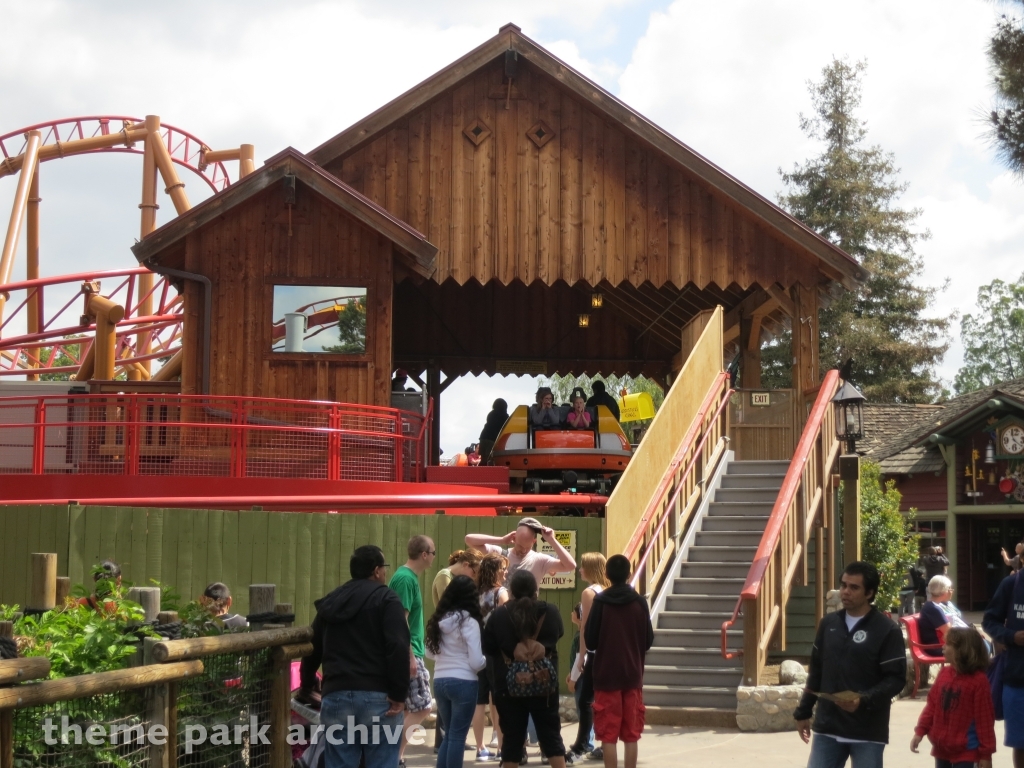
{"x": 305, "y": 554}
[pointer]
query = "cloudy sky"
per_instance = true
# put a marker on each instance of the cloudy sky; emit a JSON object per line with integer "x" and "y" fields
{"x": 728, "y": 78}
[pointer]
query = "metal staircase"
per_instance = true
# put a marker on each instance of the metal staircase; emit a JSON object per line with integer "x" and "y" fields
{"x": 685, "y": 668}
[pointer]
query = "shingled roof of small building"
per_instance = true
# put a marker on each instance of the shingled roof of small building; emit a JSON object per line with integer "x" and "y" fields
{"x": 901, "y": 428}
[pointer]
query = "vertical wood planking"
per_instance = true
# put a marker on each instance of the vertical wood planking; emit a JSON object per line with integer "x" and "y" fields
{"x": 440, "y": 193}
{"x": 460, "y": 221}
{"x": 482, "y": 193}
{"x": 169, "y": 551}
{"x": 186, "y": 535}
{"x": 246, "y": 548}
{"x": 527, "y": 182}
{"x": 216, "y": 548}
{"x": 505, "y": 193}
{"x": 615, "y": 205}
{"x": 679, "y": 271}
{"x": 229, "y": 561}
{"x": 592, "y": 204}
{"x": 200, "y": 552}
{"x": 636, "y": 213}
{"x": 657, "y": 221}
{"x": 570, "y": 191}
{"x": 139, "y": 554}
{"x": 721, "y": 226}
{"x": 419, "y": 170}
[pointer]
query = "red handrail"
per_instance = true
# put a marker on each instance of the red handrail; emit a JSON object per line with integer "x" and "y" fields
{"x": 679, "y": 486}
{"x": 666, "y": 480}
{"x": 773, "y": 530}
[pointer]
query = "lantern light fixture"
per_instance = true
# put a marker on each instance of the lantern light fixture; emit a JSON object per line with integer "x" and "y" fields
{"x": 990, "y": 453}
{"x": 584, "y": 321}
{"x": 596, "y": 300}
{"x": 848, "y": 403}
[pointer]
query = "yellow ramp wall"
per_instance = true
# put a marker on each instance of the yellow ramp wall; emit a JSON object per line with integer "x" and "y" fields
{"x": 639, "y": 482}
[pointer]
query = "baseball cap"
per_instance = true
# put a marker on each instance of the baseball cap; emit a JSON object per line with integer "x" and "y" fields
{"x": 532, "y": 524}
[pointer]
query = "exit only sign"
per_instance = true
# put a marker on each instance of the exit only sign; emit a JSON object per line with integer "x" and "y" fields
{"x": 760, "y": 398}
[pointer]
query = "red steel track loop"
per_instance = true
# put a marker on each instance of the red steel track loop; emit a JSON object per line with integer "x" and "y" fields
{"x": 39, "y": 353}
{"x": 781, "y": 510}
{"x": 183, "y": 146}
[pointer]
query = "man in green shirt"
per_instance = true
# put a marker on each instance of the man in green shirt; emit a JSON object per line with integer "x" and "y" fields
{"x": 406, "y": 584}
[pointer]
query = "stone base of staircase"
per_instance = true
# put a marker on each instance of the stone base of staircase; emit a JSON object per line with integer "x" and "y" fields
{"x": 700, "y": 717}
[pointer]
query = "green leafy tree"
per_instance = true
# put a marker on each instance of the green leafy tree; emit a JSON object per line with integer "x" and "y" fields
{"x": 993, "y": 338}
{"x": 849, "y": 194}
{"x": 1006, "y": 120}
{"x": 886, "y": 537}
{"x": 351, "y": 329}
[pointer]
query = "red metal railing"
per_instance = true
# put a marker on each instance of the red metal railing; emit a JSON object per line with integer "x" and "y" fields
{"x": 800, "y": 509}
{"x": 680, "y": 492}
{"x": 198, "y": 435}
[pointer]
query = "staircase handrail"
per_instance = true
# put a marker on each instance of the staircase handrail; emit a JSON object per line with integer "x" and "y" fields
{"x": 665, "y": 504}
{"x": 818, "y": 432}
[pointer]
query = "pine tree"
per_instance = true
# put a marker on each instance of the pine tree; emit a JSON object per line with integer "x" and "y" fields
{"x": 849, "y": 194}
{"x": 1006, "y": 52}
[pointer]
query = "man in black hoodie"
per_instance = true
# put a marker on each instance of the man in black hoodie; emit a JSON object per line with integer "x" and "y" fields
{"x": 859, "y": 654}
{"x": 619, "y": 632}
{"x": 361, "y": 638}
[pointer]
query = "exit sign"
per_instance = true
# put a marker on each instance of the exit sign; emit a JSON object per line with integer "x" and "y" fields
{"x": 760, "y": 398}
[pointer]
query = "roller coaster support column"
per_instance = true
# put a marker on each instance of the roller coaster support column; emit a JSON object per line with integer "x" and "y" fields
{"x": 149, "y": 208}
{"x": 175, "y": 187}
{"x": 28, "y": 170}
{"x": 107, "y": 315}
{"x": 245, "y": 155}
{"x": 35, "y": 300}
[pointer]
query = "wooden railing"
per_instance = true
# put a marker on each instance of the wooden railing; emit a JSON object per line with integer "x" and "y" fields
{"x": 681, "y": 491}
{"x": 641, "y": 482}
{"x": 802, "y": 509}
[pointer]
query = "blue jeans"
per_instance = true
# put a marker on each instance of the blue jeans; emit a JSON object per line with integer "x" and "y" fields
{"x": 826, "y": 752}
{"x": 355, "y": 725}
{"x": 456, "y": 703}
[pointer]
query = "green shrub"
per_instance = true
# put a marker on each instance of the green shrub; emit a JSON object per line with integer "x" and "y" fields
{"x": 886, "y": 535}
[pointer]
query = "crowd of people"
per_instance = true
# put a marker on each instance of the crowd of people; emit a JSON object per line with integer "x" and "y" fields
{"x": 494, "y": 643}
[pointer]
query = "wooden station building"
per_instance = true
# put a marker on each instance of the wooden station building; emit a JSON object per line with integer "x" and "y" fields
{"x": 486, "y": 213}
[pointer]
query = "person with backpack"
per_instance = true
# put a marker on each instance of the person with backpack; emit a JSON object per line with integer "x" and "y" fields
{"x": 1004, "y": 623}
{"x": 453, "y": 642}
{"x": 492, "y": 574}
{"x": 520, "y": 642}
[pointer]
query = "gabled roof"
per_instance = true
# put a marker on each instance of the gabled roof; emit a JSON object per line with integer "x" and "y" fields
{"x": 908, "y": 449}
{"x": 843, "y": 266}
{"x": 421, "y": 254}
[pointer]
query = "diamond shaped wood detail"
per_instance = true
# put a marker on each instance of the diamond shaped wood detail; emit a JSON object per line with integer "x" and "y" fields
{"x": 477, "y": 132}
{"x": 540, "y": 134}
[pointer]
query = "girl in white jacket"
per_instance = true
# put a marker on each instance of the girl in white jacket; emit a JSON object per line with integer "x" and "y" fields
{"x": 453, "y": 642}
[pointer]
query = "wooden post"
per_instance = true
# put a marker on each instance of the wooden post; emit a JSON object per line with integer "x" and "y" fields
{"x": 157, "y": 715}
{"x": 171, "y": 748}
{"x": 7, "y": 738}
{"x": 6, "y": 629}
{"x": 148, "y": 598}
{"x": 63, "y": 589}
{"x": 284, "y": 609}
{"x": 751, "y": 640}
{"x": 820, "y": 590}
{"x": 434, "y": 391}
{"x": 44, "y": 581}
{"x": 805, "y": 347}
{"x": 167, "y": 617}
{"x": 849, "y": 471}
{"x": 262, "y": 599}
{"x": 280, "y": 714}
{"x": 750, "y": 352}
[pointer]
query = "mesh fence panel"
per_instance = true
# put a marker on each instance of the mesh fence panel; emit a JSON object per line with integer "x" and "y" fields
{"x": 234, "y": 690}
{"x": 121, "y": 715}
{"x": 213, "y": 437}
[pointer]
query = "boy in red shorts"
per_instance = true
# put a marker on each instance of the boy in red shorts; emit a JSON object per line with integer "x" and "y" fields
{"x": 619, "y": 632}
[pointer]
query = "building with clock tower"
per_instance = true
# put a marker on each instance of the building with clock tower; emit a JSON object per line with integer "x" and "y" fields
{"x": 960, "y": 465}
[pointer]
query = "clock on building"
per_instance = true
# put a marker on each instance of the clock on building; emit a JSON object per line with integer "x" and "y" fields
{"x": 1012, "y": 439}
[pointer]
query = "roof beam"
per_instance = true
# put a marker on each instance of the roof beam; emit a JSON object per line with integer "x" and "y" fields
{"x": 780, "y": 295}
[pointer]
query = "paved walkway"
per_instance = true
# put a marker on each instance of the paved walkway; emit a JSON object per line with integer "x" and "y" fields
{"x": 668, "y": 746}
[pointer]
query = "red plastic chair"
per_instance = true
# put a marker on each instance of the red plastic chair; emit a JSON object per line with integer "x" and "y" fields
{"x": 919, "y": 655}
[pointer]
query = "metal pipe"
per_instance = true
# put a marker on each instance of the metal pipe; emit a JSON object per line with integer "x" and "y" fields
{"x": 175, "y": 187}
{"x": 76, "y": 147}
{"x": 21, "y": 196}
{"x": 364, "y": 501}
{"x": 35, "y": 299}
{"x": 246, "y": 160}
{"x": 170, "y": 369}
{"x": 207, "y": 314}
{"x": 149, "y": 207}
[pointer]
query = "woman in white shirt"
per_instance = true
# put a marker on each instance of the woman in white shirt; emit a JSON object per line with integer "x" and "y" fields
{"x": 453, "y": 642}
{"x": 592, "y": 571}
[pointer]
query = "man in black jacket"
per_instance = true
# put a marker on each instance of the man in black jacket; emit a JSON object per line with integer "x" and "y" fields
{"x": 601, "y": 397}
{"x": 858, "y": 664}
{"x": 1004, "y": 623}
{"x": 361, "y": 638}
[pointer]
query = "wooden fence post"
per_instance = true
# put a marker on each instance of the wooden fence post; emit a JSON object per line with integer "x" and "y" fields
{"x": 158, "y": 704}
{"x": 280, "y": 713}
{"x": 262, "y": 599}
{"x": 63, "y": 589}
{"x": 148, "y": 598}
{"x": 44, "y": 581}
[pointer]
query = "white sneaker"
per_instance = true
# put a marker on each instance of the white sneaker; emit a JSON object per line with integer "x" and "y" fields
{"x": 494, "y": 740}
